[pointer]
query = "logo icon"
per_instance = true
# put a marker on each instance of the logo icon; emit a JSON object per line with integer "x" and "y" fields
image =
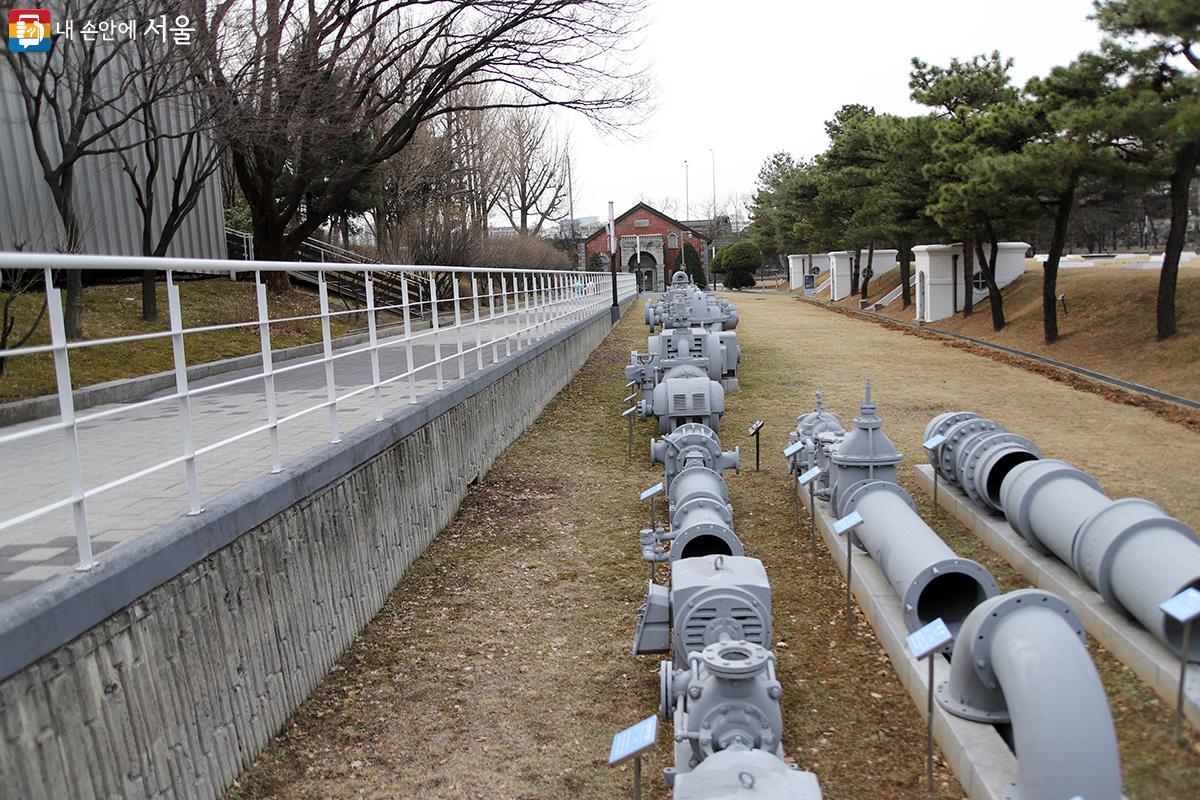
{"x": 29, "y": 30}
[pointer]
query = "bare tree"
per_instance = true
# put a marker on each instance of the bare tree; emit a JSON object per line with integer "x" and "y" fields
{"x": 291, "y": 80}
{"x": 534, "y": 184}
{"x": 476, "y": 155}
{"x": 167, "y": 149}
{"x": 75, "y": 98}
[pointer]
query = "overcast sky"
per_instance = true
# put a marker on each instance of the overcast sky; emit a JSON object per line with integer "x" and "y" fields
{"x": 746, "y": 78}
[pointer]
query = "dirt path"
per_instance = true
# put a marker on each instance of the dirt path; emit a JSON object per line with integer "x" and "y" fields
{"x": 500, "y": 666}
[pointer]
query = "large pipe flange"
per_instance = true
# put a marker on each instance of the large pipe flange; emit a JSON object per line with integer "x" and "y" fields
{"x": 958, "y": 435}
{"x": 666, "y": 690}
{"x": 928, "y": 577}
{"x": 986, "y": 458}
{"x": 1023, "y": 484}
{"x": 978, "y": 696}
{"x": 940, "y": 425}
{"x": 856, "y": 491}
{"x": 1021, "y": 658}
{"x": 1136, "y": 557}
{"x": 948, "y": 590}
{"x": 706, "y": 539}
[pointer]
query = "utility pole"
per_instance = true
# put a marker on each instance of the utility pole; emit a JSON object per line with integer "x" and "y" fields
{"x": 713, "y": 153}
{"x": 687, "y": 203}
{"x": 571, "y": 211}
{"x": 612, "y": 263}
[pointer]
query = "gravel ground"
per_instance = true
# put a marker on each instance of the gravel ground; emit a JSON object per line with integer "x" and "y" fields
{"x": 500, "y": 665}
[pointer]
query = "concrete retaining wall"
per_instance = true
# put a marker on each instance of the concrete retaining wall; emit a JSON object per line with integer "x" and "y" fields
{"x": 192, "y": 646}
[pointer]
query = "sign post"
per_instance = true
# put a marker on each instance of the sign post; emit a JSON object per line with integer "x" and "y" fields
{"x": 809, "y": 479}
{"x": 931, "y": 446}
{"x": 650, "y": 494}
{"x": 925, "y": 643}
{"x": 632, "y": 743}
{"x": 845, "y": 526}
{"x": 1183, "y": 608}
{"x": 628, "y": 415}
{"x": 753, "y": 431}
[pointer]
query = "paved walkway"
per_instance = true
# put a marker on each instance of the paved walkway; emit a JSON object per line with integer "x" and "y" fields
{"x": 33, "y": 470}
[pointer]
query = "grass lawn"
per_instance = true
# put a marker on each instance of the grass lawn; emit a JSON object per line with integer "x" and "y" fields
{"x": 111, "y": 311}
{"x": 500, "y": 665}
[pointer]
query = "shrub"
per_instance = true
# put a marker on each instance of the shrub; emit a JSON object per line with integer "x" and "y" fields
{"x": 738, "y": 262}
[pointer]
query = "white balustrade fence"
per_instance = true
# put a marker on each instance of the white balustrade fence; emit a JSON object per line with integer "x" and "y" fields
{"x": 488, "y": 315}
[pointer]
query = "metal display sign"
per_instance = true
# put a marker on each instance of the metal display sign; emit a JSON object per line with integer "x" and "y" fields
{"x": 633, "y": 741}
{"x": 792, "y": 449}
{"x": 753, "y": 429}
{"x": 847, "y": 523}
{"x": 929, "y": 639}
{"x": 653, "y": 490}
{"x": 1183, "y": 607}
{"x": 810, "y": 476}
{"x": 933, "y": 442}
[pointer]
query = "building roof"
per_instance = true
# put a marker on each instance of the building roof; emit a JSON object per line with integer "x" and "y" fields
{"x": 650, "y": 209}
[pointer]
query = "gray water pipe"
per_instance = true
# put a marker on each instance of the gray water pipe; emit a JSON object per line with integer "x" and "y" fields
{"x": 930, "y": 579}
{"x": 701, "y": 517}
{"x": 1130, "y": 550}
{"x": 1019, "y": 658}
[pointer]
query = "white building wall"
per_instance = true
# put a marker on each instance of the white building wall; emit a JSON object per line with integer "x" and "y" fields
{"x": 883, "y": 262}
{"x": 839, "y": 268}
{"x": 1010, "y": 262}
{"x": 935, "y": 280}
{"x": 795, "y": 272}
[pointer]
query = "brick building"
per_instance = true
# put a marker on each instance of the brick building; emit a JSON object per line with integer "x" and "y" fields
{"x": 648, "y": 245}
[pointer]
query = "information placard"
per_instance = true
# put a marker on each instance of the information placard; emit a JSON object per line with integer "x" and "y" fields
{"x": 809, "y": 476}
{"x": 929, "y": 639}
{"x": 848, "y": 522}
{"x": 633, "y": 741}
{"x": 653, "y": 490}
{"x": 1183, "y": 607}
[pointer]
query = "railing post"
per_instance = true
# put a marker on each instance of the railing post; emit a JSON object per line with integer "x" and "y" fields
{"x": 327, "y": 349}
{"x": 437, "y": 343}
{"x": 492, "y": 318}
{"x": 408, "y": 348}
{"x": 373, "y": 336}
{"x": 66, "y": 409}
{"x": 504, "y": 302}
{"x": 264, "y": 339}
{"x": 524, "y": 315}
{"x": 478, "y": 332}
{"x": 181, "y": 392}
{"x": 462, "y": 370}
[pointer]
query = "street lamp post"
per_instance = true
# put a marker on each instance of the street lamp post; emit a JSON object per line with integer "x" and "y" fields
{"x": 612, "y": 263}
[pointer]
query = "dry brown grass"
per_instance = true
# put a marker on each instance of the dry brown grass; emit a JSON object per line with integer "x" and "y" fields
{"x": 1109, "y": 325}
{"x": 111, "y": 311}
{"x": 500, "y": 666}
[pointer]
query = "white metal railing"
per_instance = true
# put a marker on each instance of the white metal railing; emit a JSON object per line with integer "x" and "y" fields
{"x": 505, "y": 311}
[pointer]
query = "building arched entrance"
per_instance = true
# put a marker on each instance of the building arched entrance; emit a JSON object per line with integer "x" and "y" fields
{"x": 644, "y": 266}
